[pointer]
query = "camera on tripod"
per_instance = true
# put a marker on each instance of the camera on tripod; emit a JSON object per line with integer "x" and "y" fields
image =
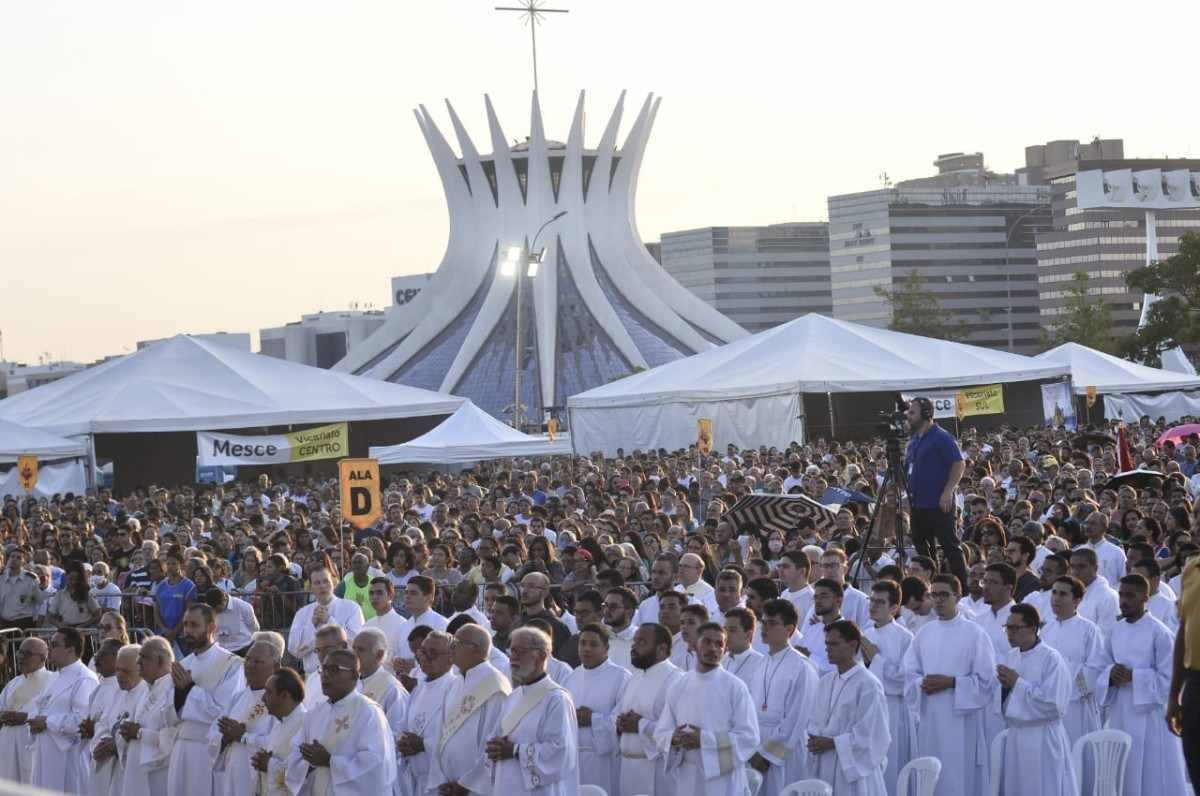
{"x": 893, "y": 425}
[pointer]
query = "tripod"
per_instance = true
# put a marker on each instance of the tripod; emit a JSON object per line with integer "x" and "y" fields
{"x": 892, "y": 477}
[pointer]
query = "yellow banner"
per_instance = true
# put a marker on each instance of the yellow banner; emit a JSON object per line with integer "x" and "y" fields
{"x": 986, "y": 400}
{"x": 27, "y": 472}
{"x": 704, "y": 435}
{"x": 1091, "y": 396}
{"x": 552, "y": 428}
{"x": 322, "y": 442}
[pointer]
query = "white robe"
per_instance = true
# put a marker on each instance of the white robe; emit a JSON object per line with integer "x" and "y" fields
{"x": 643, "y": 770}
{"x": 190, "y": 772}
{"x": 145, "y": 759}
{"x": 106, "y": 778}
{"x": 302, "y": 637}
{"x": 56, "y": 752}
{"x": 460, "y": 756}
{"x": 231, "y": 765}
{"x": 744, "y": 665}
{"x": 802, "y": 599}
{"x": 423, "y": 718}
{"x": 1079, "y": 642}
{"x": 951, "y": 723}
{"x": 1110, "y": 558}
{"x": 893, "y": 642}
{"x": 812, "y": 638}
{"x": 786, "y": 685}
{"x": 1145, "y": 647}
{"x": 105, "y": 693}
{"x": 540, "y": 719}
{"x": 720, "y": 706}
{"x": 850, "y": 708}
{"x": 620, "y": 648}
{"x": 362, "y": 750}
{"x": 1100, "y": 605}
{"x": 386, "y": 691}
{"x": 600, "y": 690}
{"x": 273, "y": 782}
{"x": 1165, "y": 610}
{"x": 313, "y": 693}
{"x": 15, "y": 764}
{"x": 1037, "y": 751}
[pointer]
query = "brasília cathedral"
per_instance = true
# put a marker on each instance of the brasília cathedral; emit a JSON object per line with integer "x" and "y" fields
{"x": 543, "y": 243}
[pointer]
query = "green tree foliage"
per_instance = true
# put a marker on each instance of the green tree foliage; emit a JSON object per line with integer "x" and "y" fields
{"x": 1175, "y": 318}
{"x": 916, "y": 310}
{"x": 1085, "y": 320}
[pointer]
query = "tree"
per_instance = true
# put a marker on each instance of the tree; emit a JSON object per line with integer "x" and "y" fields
{"x": 1173, "y": 320}
{"x": 1084, "y": 320}
{"x": 916, "y": 310}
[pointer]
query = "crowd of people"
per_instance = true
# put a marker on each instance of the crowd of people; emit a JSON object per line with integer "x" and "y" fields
{"x": 530, "y": 626}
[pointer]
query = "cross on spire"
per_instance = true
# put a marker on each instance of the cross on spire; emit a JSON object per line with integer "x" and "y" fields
{"x": 533, "y": 11}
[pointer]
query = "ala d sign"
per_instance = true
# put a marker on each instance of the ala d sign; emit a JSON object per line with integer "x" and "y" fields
{"x": 360, "y": 496}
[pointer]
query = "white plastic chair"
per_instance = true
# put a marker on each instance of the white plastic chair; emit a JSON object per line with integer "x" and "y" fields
{"x": 923, "y": 772}
{"x": 1110, "y": 752}
{"x": 997, "y": 767}
{"x": 808, "y": 787}
{"x": 592, "y": 790}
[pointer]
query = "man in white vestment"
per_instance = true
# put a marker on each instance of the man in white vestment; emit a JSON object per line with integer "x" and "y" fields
{"x": 375, "y": 681}
{"x": 1036, "y": 689}
{"x": 642, "y": 769}
{"x": 237, "y": 736}
{"x": 470, "y": 717}
{"x": 662, "y": 581}
{"x": 883, "y": 647}
{"x": 1110, "y": 558}
{"x": 107, "y": 768}
{"x": 106, "y": 692}
{"x": 783, "y": 693}
{"x": 1133, "y": 688}
{"x": 207, "y": 682}
{"x": 57, "y": 713}
{"x": 1162, "y": 607}
{"x": 138, "y": 744}
{"x": 848, "y": 736}
{"x": 596, "y": 688}
{"x": 683, "y": 646}
{"x": 793, "y": 568}
{"x": 419, "y": 595}
{"x": 1080, "y": 643}
{"x": 741, "y": 659}
{"x": 619, "y": 607}
{"x": 344, "y": 746}
{"x": 692, "y": 583}
{"x": 855, "y": 605}
{"x": 326, "y": 608}
{"x": 1099, "y": 604}
{"x": 950, "y": 683}
{"x": 328, "y": 639}
{"x": 826, "y": 609}
{"x": 284, "y": 698}
{"x": 708, "y": 730}
{"x": 382, "y": 594}
{"x": 16, "y": 701}
{"x": 534, "y": 750}
{"x": 418, "y": 735}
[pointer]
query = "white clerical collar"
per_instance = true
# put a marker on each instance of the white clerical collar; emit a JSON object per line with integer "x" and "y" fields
{"x": 853, "y": 670}
{"x": 782, "y": 651}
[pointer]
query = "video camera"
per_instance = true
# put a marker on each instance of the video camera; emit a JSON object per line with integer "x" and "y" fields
{"x": 894, "y": 424}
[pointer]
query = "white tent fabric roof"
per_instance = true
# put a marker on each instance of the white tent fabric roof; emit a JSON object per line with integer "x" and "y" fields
{"x": 817, "y": 354}
{"x": 186, "y": 384}
{"x": 470, "y": 435}
{"x": 1109, "y": 374}
{"x": 21, "y": 441}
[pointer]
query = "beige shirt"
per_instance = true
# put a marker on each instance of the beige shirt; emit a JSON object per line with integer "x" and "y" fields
{"x": 19, "y": 595}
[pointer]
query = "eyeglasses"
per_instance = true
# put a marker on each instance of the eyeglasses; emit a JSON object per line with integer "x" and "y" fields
{"x": 523, "y": 650}
{"x": 459, "y": 643}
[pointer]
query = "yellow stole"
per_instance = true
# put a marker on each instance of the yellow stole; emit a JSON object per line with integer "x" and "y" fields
{"x": 458, "y": 714}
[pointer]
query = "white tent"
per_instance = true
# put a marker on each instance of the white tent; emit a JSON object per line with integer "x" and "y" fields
{"x": 1109, "y": 374}
{"x": 21, "y": 441}
{"x": 751, "y": 388}
{"x": 470, "y": 435}
{"x": 187, "y": 384}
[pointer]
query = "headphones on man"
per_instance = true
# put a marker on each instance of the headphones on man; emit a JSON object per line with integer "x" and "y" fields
{"x": 926, "y": 408}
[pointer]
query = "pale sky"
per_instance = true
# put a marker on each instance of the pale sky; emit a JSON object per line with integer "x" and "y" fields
{"x": 170, "y": 166}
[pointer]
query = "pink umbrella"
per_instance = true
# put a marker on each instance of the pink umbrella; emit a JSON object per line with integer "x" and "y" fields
{"x": 1178, "y": 433}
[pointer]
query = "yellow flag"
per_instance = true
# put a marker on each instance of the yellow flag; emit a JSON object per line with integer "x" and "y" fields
{"x": 960, "y": 405}
{"x": 704, "y": 435}
{"x": 27, "y": 472}
{"x": 552, "y": 428}
{"x": 1091, "y": 396}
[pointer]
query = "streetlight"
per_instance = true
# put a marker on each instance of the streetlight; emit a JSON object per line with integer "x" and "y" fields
{"x": 515, "y": 258}
{"x": 1008, "y": 233}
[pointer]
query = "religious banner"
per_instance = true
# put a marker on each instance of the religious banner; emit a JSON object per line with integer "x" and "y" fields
{"x": 322, "y": 442}
{"x": 360, "y": 498}
{"x": 704, "y": 435}
{"x": 552, "y": 428}
{"x": 27, "y": 472}
{"x": 1058, "y": 409}
{"x": 1091, "y": 396}
{"x": 969, "y": 401}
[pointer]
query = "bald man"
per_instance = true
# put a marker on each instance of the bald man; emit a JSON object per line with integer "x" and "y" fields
{"x": 692, "y": 583}
{"x": 237, "y": 736}
{"x": 16, "y": 702}
{"x": 534, "y": 597}
{"x": 328, "y": 639}
{"x": 107, "y": 767}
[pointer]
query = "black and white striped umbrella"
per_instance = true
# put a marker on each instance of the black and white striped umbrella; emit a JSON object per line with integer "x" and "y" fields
{"x": 779, "y": 512}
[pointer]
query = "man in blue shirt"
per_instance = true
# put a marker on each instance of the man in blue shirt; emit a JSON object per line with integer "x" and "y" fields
{"x": 172, "y": 596}
{"x": 933, "y": 465}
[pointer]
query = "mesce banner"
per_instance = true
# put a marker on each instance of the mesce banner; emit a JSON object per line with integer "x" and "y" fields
{"x": 322, "y": 442}
{"x": 969, "y": 401}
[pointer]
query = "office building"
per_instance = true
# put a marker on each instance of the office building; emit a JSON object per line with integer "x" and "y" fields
{"x": 757, "y": 276}
{"x": 966, "y": 231}
{"x": 320, "y": 338}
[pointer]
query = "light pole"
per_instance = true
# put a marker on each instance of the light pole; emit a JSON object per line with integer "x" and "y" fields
{"x": 1008, "y": 233}
{"x": 522, "y": 262}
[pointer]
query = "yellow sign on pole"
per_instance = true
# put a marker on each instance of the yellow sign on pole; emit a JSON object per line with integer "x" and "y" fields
{"x": 704, "y": 435}
{"x": 986, "y": 400}
{"x": 361, "y": 502}
{"x": 27, "y": 472}
{"x": 552, "y": 428}
{"x": 1091, "y": 396}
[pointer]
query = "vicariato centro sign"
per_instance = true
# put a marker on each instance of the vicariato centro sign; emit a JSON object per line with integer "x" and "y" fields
{"x": 323, "y": 442}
